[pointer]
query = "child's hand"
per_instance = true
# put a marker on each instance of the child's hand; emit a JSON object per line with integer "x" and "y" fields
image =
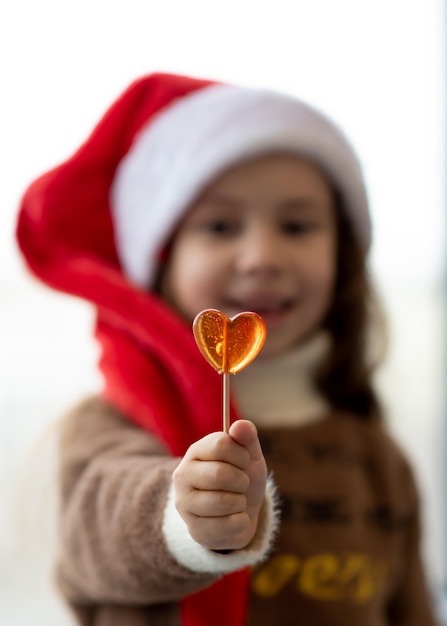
{"x": 220, "y": 485}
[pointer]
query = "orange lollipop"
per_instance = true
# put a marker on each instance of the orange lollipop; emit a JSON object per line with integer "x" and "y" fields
{"x": 229, "y": 345}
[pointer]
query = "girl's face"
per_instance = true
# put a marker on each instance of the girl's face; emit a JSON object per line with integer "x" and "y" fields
{"x": 262, "y": 237}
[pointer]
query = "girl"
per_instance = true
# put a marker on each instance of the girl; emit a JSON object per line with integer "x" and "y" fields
{"x": 190, "y": 195}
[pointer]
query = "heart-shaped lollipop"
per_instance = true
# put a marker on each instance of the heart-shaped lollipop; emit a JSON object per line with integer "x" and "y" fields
{"x": 229, "y": 344}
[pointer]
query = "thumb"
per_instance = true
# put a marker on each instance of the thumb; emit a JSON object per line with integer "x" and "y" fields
{"x": 246, "y": 435}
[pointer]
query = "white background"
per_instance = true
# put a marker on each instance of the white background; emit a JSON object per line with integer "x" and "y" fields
{"x": 376, "y": 66}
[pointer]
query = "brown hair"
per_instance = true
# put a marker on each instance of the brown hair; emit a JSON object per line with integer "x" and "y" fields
{"x": 356, "y": 324}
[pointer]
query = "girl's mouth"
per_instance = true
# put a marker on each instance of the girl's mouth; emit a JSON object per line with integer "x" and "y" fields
{"x": 272, "y": 309}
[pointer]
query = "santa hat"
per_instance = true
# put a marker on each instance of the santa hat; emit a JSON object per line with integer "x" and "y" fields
{"x": 116, "y": 201}
{"x": 191, "y": 139}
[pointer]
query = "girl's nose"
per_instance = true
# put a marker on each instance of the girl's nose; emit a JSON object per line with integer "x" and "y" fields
{"x": 260, "y": 251}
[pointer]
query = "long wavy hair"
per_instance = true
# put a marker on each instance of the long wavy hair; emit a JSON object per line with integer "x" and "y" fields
{"x": 358, "y": 330}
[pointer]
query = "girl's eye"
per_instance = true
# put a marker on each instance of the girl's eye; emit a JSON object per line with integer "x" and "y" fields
{"x": 221, "y": 227}
{"x": 297, "y": 227}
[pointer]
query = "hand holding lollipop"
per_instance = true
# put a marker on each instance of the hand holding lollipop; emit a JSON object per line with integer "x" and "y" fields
{"x": 220, "y": 482}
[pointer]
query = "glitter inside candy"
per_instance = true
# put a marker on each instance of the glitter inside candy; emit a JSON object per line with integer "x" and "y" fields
{"x": 229, "y": 344}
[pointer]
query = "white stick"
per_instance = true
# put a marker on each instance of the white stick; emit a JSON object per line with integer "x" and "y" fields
{"x": 226, "y": 402}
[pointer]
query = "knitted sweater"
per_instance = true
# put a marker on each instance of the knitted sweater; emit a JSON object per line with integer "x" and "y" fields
{"x": 347, "y": 552}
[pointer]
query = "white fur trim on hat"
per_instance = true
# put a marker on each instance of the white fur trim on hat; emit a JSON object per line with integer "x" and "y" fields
{"x": 189, "y": 142}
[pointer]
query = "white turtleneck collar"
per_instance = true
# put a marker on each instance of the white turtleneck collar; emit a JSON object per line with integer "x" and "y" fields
{"x": 279, "y": 390}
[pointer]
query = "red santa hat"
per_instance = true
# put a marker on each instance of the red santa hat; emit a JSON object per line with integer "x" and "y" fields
{"x": 116, "y": 201}
{"x": 191, "y": 139}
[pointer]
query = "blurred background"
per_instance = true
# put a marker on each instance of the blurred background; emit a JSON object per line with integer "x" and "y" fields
{"x": 376, "y": 66}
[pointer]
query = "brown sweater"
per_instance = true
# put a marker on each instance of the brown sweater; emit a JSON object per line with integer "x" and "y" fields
{"x": 346, "y": 554}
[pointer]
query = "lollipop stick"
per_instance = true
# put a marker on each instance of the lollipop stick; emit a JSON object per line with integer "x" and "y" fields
{"x": 226, "y": 379}
{"x": 226, "y": 402}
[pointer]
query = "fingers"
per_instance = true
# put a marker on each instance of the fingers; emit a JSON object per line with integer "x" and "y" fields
{"x": 219, "y": 487}
{"x": 211, "y": 500}
{"x": 223, "y": 462}
{"x": 215, "y": 476}
{"x": 215, "y": 533}
{"x": 219, "y": 447}
{"x": 215, "y": 504}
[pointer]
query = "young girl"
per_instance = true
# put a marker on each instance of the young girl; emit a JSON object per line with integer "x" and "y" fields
{"x": 191, "y": 195}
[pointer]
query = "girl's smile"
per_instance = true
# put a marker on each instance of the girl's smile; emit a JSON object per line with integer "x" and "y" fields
{"x": 262, "y": 237}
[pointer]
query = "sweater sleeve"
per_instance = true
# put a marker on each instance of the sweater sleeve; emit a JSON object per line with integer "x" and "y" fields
{"x": 114, "y": 482}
